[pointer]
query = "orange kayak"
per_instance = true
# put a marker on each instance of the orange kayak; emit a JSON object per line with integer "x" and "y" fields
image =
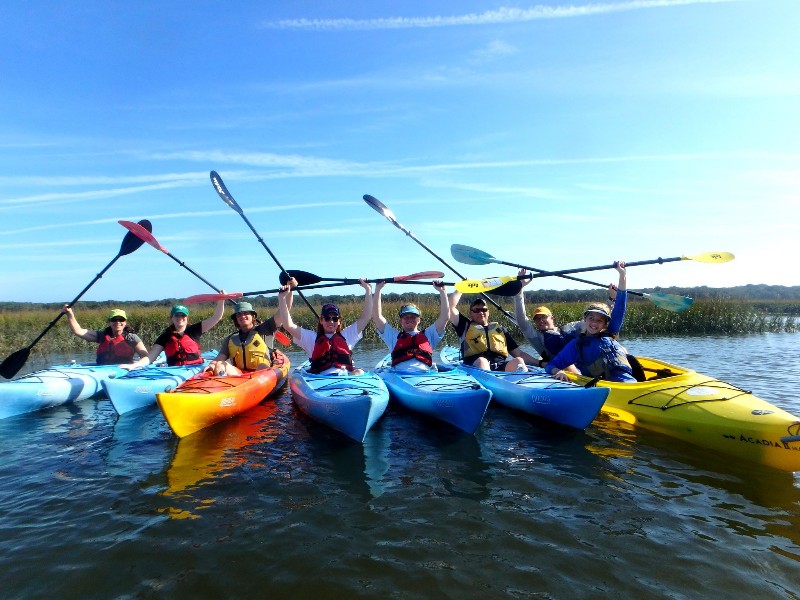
{"x": 206, "y": 399}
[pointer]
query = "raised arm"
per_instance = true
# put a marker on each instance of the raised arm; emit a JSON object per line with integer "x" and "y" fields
{"x": 215, "y": 318}
{"x": 81, "y": 332}
{"x": 366, "y": 313}
{"x": 444, "y": 306}
{"x": 279, "y": 320}
{"x": 377, "y": 308}
{"x": 284, "y": 304}
{"x": 452, "y": 304}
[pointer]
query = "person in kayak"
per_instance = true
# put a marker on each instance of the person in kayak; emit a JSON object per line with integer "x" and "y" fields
{"x": 547, "y": 338}
{"x": 412, "y": 350}
{"x": 117, "y": 343}
{"x": 180, "y": 342}
{"x": 330, "y": 347}
{"x": 596, "y": 352}
{"x": 250, "y": 347}
{"x": 486, "y": 344}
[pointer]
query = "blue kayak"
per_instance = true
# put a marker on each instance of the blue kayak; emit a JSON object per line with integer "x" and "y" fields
{"x": 536, "y": 393}
{"x": 454, "y": 397}
{"x": 53, "y": 386}
{"x": 350, "y": 404}
{"x": 138, "y": 388}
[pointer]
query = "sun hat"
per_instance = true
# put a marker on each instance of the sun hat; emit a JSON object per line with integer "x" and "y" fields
{"x": 117, "y": 312}
{"x": 330, "y": 309}
{"x": 243, "y": 307}
{"x": 600, "y": 309}
{"x": 542, "y": 310}
{"x": 179, "y": 309}
{"x": 409, "y": 309}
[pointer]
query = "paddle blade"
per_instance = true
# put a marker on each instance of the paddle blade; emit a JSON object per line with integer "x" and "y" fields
{"x": 415, "y": 276}
{"x": 670, "y": 302}
{"x": 13, "y": 362}
{"x": 302, "y": 277}
{"x": 470, "y": 256}
{"x": 711, "y": 257}
{"x": 512, "y": 288}
{"x": 378, "y": 206}
{"x": 131, "y": 242}
{"x": 282, "y": 338}
{"x": 219, "y": 185}
{"x": 143, "y": 234}
{"x": 200, "y": 298}
{"x": 478, "y": 286}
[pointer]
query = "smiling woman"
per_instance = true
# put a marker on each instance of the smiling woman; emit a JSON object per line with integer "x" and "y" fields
{"x": 117, "y": 343}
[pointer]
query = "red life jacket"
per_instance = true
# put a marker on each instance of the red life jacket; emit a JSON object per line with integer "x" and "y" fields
{"x": 331, "y": 352}
{"x": 410, "y": 346}
{"x": 182, "y": 349}
{"x": 114, "y": 351}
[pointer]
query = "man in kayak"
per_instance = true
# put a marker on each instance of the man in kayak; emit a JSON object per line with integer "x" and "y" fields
{"x": 180, "y": 342}
{"x": 330, "y": 347}
{"x": 412, "y": 350}
{"x": 484, "y": 344}
{"x": 117, "y": 343}
{"x": 596, "y": 352}
{"x": 250, "y": 347}
{"x": 543, "y": 334}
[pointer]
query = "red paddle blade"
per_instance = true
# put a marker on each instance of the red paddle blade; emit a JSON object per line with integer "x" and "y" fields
{"x": 421, "y": 275}
{"x": 200, "y": 298}
{"x": 282, "y": 338}
{"x": 143, "y": 235}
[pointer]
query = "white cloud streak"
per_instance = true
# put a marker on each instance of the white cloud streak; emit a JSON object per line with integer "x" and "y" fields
{"x": 491, "y": 17}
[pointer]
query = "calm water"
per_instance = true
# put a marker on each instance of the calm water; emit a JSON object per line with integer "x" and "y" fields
{"x": 271, "y": 505}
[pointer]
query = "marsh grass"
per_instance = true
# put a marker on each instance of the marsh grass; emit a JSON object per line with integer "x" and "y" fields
{"x": 706, "y": 317}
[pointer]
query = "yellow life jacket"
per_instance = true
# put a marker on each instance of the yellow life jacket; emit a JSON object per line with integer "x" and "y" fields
{"x": 478, "y": 340}
{"x": 248, "y": 356}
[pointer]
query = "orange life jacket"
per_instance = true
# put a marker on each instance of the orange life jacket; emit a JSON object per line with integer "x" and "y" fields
{"x": 331, "y": 352}
{"x": 411, "y": 346}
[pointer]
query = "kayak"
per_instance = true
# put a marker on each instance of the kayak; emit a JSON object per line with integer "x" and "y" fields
{"x": 54, "y": 386}
{"x": 350, "y": 404}
{"x": 536, "y": 393}
{"x": 706, "y": 412}
{"x": 454, "y": 397}
{"x": 138, "y": 388}
{"x": 205, "y": 398}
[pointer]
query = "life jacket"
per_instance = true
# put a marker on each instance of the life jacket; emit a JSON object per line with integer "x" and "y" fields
{"x": 182, "y": 349}
{"x": 410, "y": 346}
{"x": 331, "y": 352}
{"x": 480, "y": 341}
{"x": 611, "y": 361}
{"x": 251, "y": 353}
{"x": 114, "y": 351}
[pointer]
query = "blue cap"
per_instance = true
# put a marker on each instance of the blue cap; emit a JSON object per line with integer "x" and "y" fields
{"x": 409, "y": 309}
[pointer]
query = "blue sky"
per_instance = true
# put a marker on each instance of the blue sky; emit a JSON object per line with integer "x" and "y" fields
{"x": 552, "y": 134}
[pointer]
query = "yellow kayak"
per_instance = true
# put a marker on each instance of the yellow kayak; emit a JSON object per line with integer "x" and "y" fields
{"x": 706, "y": 412}
{"x": 206, "y": 399}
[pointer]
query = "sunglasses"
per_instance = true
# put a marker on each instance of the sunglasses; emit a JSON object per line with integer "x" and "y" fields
{"x": 480, "y": 310}
{"x": 330, "y": 318}
{"x": 116, "y": 320}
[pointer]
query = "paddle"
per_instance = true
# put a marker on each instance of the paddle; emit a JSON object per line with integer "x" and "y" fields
{"x": 14, "y": 362}
{"x": 671, "y": 302}
{"x": 306, "y": 278}
{"x": 379, "y": 207}
{"x": 148, "y": 237}
{"x": 223, "y": 192}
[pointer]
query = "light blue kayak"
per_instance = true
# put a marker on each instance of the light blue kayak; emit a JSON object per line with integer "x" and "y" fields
{"x": 137, "y": 389}
{"x": 454, "y": 397}
{"x": 537, "y": 393}
{"x": 350, "y": 404}
{"x": 53, "y": 386}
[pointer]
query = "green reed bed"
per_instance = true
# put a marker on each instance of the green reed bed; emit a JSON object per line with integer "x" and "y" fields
{"x": 706, "y": 317}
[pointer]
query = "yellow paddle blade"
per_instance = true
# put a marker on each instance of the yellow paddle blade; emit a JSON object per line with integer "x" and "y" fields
{"x": 478, "y": 286}
{"x": 711, "y": 257}
{"x": 618, "y": 414}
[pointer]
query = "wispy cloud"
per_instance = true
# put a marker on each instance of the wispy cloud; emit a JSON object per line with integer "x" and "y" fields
{"x": 491, "y": 17}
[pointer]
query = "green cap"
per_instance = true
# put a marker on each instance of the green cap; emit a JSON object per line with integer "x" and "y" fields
{"x": 179, "y": 309}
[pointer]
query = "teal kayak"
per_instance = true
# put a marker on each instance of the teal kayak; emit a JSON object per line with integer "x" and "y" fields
{"x": 350, "y": 404}
{"x": 454, "y": 397}
{"x": 54, "y": 386}
{"x": 536, "y": 393}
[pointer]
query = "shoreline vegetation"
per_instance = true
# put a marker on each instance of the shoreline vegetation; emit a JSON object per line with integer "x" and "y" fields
{"x": 714, "y": 314}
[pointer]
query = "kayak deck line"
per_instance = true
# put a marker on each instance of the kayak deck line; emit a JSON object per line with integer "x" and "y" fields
{"x": 685, "y": 389}
{"x": 439, "y": 382}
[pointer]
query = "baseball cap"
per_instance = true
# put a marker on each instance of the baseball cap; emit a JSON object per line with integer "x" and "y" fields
{"x": 116, "y": 313}
{"x": 542, "y": 310}
{"x": 179, "y": 309}
{"x": 330, "y": 309}
{"x": 409, "y": 309}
